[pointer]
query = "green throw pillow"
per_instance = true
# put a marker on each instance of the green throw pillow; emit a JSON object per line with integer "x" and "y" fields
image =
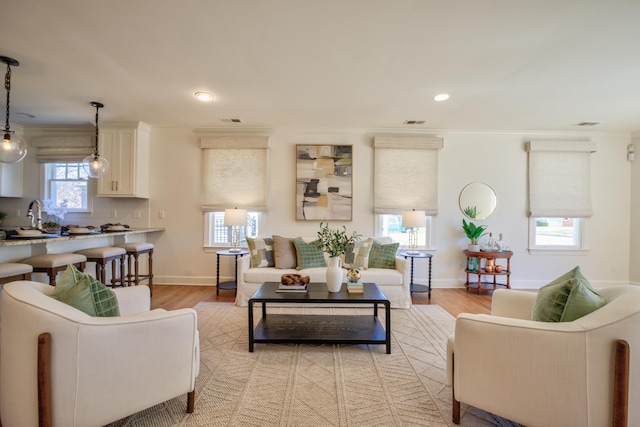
{"x": 261, "y": 252}
{"x": 357, "y": 254}
{"x": 566, "y": 299}
{"x": 309, "y": 254}
{"x": 383, "y": 256}
{"x": 85, "y": 293}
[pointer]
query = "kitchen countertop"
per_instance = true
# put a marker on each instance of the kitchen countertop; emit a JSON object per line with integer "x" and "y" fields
{"x": 22, "y": 241}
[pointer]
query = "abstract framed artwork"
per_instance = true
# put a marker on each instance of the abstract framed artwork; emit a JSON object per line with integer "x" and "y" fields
{"x": 324, "y": 182}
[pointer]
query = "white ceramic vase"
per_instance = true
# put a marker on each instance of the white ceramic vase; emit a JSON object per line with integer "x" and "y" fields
{"x": 334, "y": 274}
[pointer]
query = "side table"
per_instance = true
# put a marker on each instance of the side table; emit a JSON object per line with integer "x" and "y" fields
{"x": 415, "y": 287}
{"x": 230, "y": 284}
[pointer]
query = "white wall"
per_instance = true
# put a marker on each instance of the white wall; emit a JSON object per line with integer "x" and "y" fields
{"x": 634, "y": 255}
{"x": 498, "y": 159}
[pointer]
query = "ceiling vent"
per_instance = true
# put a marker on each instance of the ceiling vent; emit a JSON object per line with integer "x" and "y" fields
{"x": 231, "y": 120}
{"x": 587, "y": 124}
{"x": 414, "y": 122}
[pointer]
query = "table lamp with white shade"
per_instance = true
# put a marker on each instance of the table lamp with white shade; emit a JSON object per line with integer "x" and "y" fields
{"x": 235, "y": 218}
{"x": 413, "y": 220}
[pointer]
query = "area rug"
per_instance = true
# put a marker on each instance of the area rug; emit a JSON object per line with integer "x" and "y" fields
{"x": 318, "y": 385}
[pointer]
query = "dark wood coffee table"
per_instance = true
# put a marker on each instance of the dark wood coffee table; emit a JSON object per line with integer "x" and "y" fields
{"x": 320, "y": 328}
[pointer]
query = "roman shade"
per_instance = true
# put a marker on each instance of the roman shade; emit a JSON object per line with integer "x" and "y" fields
{"x": 234, "y": 172}
{"x": 560, "y": 178}
{"x": 406, "y": 174}
{"x": 51, "y": 149}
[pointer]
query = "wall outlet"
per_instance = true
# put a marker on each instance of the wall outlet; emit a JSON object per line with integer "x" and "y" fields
{"x": 137, "y": 213}
{"x": 18, "y": 213}
{"x": 161, "y": 214}
{"x": 114, "y": 214}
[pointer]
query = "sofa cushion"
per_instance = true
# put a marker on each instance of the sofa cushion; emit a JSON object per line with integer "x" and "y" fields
{"x": 357, "y": 254}
{"x": 85, "y": 293}
{"x": 261, "y": 251}
{"x": 309, "y": 255}
{"x": 383, "y": 256}
{"x": 566, "y": 299}
{"x": 284, "y": 252}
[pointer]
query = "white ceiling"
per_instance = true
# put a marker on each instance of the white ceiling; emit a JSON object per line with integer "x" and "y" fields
{"x": 507, "y": 64}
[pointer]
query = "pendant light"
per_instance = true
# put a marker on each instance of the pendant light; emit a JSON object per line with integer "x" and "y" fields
{"x": 95, "y": 165}
{"x": 13, "y": 148}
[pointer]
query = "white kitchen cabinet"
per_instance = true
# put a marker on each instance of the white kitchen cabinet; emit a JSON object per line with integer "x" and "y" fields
{"x": 128, "y": 150}
{"x": 11, "y": 179}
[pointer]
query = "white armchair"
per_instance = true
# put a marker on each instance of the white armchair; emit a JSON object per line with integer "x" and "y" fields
{"x": 99, "y": 369}
{"x": 549, "y": 374}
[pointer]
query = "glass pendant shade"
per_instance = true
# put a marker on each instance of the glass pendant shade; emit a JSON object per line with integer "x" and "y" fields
{"x": 13, "y": 149}
{"x": 95, "y": 165}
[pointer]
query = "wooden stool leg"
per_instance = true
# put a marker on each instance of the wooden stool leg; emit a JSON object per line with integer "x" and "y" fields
{"x": 150, "y": 272}
{"x": 129, "y": 275}
{"x": 122, "y": 279}
{"x": 52, "y": 276}
{"x": 136, "y": 261}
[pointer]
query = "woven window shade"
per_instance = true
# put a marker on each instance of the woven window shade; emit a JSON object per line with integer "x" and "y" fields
{"x": 234, "y": 172}
{"x": 406, "y": 174}
{"x": 51, "y": 149}
{"x": 560, "y": 178}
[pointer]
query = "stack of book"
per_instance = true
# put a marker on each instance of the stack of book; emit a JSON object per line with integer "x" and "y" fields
{"x": 355, "y": 287}
{"x": 298, "y": 287}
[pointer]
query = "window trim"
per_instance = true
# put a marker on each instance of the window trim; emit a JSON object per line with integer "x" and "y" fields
{"x": 429, "y": 232}
{"x": 45, "y": 192}
{"x": 580, "y": 248}
{"x": 208, "y": 242}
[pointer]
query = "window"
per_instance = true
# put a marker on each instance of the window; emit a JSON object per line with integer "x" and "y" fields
{"x": 390, "y": 225}
{"x": 67, "y": 184}
{"x": 557, "y": 233}
{"x": 217, "y": 234}
{"x": 559, "y": 193}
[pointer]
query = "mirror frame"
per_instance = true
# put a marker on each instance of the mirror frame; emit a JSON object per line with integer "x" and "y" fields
{"x": 478, "y": 195}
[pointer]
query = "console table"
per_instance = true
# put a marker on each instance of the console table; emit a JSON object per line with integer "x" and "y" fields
{"x": 478, "y": 268}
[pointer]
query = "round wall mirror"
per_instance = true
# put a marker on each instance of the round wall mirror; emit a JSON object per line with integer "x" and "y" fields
{"x": 477, "y": 201}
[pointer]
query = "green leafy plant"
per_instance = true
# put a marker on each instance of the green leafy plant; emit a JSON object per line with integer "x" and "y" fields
{"x": 335, "y": 242}
{"x": 473, "y": 232}
{"x": 51, "y": 224}
{"x": 3, "y": 215}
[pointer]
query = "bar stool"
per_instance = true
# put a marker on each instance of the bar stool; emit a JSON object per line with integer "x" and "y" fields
{"x": 103, "y": 256}
{"x": 12, "y": 271}
{"x": 52, "y": 264}
{"x": 133, "y": 251}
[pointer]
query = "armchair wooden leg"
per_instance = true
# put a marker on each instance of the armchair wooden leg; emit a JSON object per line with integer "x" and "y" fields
{"x": 191, "y": 398}
{"x": 44, "y": 380}
{"x": 455, "y": 405}
{"x": 621, "y": 384}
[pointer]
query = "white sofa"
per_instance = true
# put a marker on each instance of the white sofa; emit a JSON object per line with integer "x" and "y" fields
{"x": 542, "y": 373}
{"x": 394, "y": 283}
{"x": 101, "y": 368}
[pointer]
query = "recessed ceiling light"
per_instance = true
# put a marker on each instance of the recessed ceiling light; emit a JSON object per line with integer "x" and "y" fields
{"x": 204, "y": 96}
{"x": 441, "y": 97}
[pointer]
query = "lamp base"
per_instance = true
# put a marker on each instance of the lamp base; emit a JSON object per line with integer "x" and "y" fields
{"x": 413, "y": 252}
{"x": 235, "y": 250}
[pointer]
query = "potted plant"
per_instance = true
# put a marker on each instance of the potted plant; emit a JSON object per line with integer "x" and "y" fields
{"x": 335, "y": 243}
{"x": 473, "y": 233}
{"x": 3, "y": 215}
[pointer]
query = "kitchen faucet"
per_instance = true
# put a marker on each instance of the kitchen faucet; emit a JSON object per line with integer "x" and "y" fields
{"x": 37, "y": 225}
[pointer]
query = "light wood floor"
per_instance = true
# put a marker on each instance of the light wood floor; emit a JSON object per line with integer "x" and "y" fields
{"x": 455, "y": 301}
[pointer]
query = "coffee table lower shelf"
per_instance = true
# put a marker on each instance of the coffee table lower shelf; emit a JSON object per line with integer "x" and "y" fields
{"x": 319, "y": 329}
